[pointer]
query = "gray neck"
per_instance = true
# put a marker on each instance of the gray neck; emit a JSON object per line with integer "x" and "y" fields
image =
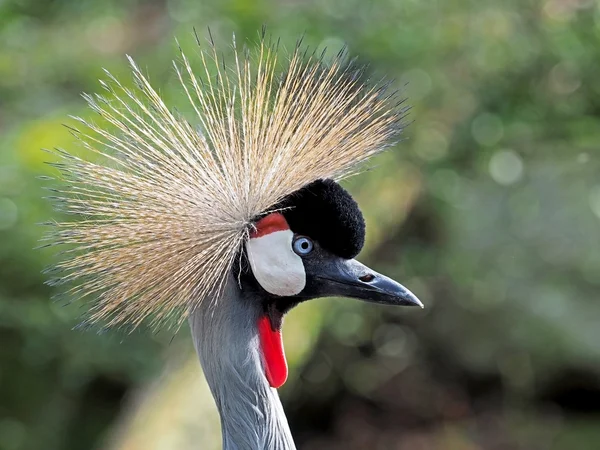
{"x": 226, "y": 340}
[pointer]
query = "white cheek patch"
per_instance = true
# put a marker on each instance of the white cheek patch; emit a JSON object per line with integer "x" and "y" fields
{"x": 278, "y": 269}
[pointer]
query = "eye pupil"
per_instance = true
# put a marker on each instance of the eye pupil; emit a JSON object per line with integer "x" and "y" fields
{"x": 303, "y": 246}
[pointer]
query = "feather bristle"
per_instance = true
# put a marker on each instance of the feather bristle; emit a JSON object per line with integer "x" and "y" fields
{"x": 164, "y": 206}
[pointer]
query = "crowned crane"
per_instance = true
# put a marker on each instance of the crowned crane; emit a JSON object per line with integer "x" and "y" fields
{"x": 230, "y": 222}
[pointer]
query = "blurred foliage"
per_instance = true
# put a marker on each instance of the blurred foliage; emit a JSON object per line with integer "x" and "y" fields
{"x": 489, "y": 211}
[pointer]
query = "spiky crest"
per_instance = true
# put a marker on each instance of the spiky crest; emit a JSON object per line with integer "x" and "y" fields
{"x": 163, "y": 214}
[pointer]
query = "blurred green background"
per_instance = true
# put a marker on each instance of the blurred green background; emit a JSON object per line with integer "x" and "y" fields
{"x": 489, "y": 211}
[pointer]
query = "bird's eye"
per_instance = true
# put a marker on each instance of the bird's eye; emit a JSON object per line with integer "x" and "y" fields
{"x": 303, "y": 246}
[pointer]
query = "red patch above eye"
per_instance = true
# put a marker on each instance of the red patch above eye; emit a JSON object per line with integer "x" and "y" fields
{"x": 269, "y": 224}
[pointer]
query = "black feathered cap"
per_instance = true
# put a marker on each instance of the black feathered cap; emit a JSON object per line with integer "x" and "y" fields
{"x": 324, "y": 211}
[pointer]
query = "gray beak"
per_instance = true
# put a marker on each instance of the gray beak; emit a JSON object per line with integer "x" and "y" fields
{"x": 350, "y": 278}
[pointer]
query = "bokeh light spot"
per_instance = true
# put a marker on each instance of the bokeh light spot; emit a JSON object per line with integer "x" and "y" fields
{"x": 559, "y": 10}
{"x": 506, "y": 167}
{"x": 583, "y": 158}
{"x": 13, "y": 433}
{"x": 390, "y": 340}
{"x": 487, "y": 129}
{"x": 431, "y": 145}
{"x": 418, "y": 83}
{"x": 564, "y": 79}
{"x": 319, "y": 370}
{"x": 594, "y": 200}
{"x": 8, "y": 213}
{"x": 332, "y": 45}
{"x": 348, "y": 326}
{"x": 107, "y": 35}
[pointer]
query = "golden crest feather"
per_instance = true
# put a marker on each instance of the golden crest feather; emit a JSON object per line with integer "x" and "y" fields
{"x": 162, "y": 216}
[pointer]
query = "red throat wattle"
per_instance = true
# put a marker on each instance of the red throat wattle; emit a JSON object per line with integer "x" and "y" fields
{"x": 271, "y": 344}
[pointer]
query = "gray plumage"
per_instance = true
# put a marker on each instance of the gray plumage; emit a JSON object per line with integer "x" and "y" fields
{"x": 226, "y": 340}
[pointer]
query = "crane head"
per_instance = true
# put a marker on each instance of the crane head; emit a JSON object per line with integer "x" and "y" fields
{"x": 160, "y": 207}
{"x": 305, "y": 249}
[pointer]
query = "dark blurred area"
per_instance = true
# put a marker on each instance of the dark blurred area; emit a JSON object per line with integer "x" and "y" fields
{"x": 489, "y": 211}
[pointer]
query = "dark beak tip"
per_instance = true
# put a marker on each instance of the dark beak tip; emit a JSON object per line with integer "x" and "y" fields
{"x": 405, "y": 296}
{"x": 414, "y": 301}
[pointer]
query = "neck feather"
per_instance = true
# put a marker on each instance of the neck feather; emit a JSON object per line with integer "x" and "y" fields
{"x": 226, "y": 339}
